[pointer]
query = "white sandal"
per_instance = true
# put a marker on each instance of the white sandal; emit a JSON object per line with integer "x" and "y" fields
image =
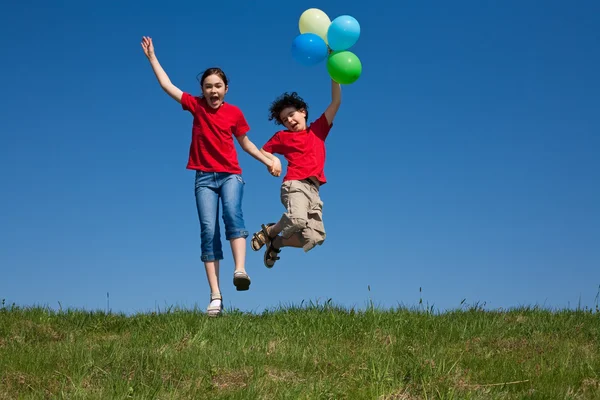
{"x": 241, "y": 280}
{"x": 215, "y": 308}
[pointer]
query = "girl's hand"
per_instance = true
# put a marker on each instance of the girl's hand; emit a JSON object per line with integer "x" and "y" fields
{"x": 275, "y": 167}
{"x": 148, "y": 46}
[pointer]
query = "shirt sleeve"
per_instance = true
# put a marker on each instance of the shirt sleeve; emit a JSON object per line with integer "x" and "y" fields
{"x": 273, "y": 145}
{"x": 241, "y": 126}
{"x": 189, "y": 102}
{"x": 321, "y": 127}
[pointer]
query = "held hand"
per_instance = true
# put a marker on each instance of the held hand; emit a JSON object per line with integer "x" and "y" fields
{"x": 275, "y": 167}
{"x": 148, "y": 46}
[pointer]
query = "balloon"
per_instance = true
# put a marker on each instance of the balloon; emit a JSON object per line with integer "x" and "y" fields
{"x": 309, "y": 49}
{"x": 314, "y": 21}
{"x": 344, "y": 67}
{"x": 343, "y": 33}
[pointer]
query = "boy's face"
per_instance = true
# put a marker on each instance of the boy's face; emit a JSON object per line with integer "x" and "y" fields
{"x": 213, "y": 90}
{"x": 293, "y": 119}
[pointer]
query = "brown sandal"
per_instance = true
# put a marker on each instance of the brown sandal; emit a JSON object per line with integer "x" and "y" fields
{"x": 271, "y": 255}
{"x": 260, "y": 238}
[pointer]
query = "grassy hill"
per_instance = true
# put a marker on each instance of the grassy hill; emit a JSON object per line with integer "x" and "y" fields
{"x": 310, "y": 352}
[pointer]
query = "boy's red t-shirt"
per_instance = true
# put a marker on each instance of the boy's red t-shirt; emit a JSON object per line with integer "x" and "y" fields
{"x": 212, "y": 148}
{"x": 304, "y": 150}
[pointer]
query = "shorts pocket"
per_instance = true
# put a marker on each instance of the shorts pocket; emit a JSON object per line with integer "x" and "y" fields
{"x": 316, "y": 211}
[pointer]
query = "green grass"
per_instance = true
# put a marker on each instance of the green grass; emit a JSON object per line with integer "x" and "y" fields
{"x": 311, "y": 352}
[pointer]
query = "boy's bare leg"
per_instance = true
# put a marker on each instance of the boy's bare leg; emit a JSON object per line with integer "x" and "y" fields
{"x": 278, "y": 242}
{"x": 275, "y": 230}
{"x": 293, "y": 241}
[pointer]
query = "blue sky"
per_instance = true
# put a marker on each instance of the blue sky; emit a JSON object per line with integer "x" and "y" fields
{"x": 464, "y": 161}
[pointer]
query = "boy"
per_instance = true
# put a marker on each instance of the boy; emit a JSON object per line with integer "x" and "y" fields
{"x": 304, "y": 148}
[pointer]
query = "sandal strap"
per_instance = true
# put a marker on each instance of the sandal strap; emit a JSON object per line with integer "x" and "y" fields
{"x": 260, "y": 237}
{"x": 265, "y": 230}
{"x": 272, "y": 253}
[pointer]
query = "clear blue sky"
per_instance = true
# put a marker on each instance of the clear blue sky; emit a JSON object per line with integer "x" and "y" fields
{"x": 463, "y": 161}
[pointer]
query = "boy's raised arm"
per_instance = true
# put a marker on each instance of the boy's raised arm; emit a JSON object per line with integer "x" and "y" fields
{"x": 160, "y": 73}
{"x": 336, "y": 100}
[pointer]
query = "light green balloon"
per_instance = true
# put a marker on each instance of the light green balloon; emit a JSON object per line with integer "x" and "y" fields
{"x": 344, "y": 67}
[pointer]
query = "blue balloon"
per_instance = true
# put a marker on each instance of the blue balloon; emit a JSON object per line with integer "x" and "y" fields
{"x": 343, "y": 33}
{"x": 309, "y": 49}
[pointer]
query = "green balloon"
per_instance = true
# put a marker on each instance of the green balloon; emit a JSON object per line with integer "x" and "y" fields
{"x": 344, "y": 67}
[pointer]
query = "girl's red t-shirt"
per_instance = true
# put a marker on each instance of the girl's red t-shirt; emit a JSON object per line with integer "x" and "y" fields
{"x": 212, "y": 148}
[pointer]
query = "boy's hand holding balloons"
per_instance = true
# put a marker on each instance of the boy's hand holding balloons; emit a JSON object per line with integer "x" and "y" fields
{"x": 322, "y": 39}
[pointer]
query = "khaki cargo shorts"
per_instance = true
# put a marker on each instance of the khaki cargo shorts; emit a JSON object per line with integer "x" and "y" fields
{"x": 304, "y": 216}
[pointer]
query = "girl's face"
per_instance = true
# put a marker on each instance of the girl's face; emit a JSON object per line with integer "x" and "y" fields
{"x": 293, "y": 119}
{"x": 213, "y": 90}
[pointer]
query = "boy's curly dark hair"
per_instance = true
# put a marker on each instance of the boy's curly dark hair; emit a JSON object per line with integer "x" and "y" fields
{"x": 283, "y": 101}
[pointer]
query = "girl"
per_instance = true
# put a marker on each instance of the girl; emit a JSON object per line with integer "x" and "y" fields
{"x": 218, "y": 174}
